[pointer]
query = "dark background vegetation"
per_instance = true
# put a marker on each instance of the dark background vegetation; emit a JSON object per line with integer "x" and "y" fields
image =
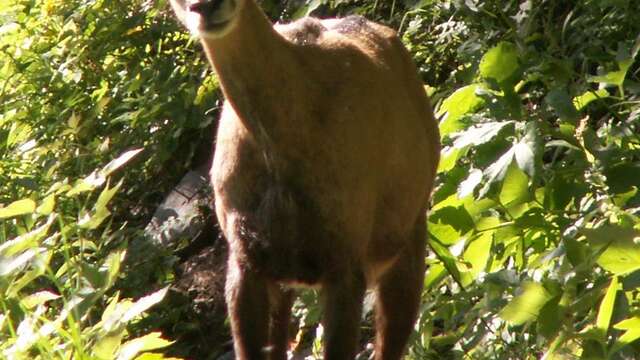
{"x": 535, "y": 235}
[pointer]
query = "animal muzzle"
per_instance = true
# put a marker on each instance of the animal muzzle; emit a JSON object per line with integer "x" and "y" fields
{"x": 205, "y": 7}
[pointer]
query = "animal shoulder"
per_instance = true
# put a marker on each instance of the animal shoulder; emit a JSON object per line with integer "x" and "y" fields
{"x": 312, "y": 31}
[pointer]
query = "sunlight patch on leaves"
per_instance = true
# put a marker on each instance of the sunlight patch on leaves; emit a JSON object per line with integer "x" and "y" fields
{"x": 526, "y": 306}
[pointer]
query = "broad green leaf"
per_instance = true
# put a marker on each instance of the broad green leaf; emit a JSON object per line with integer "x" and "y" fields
{"x": 116, "y": 163}
{"x": 143, "y": 304}
{"x": 306, "y": 10}
{"x": 107, "y": 346}
{"x": 549, "y": 322}
{"x": 632, "y": 323}
{"x": 580, "y": 102}
{"x": 621, "y": 253}
{"x": 632, "y": 333}
{"x": 615, "y": 78}
{"x": 526, "y": 306}
{"x": 38, "y": 298}
{"x": 448, "y": 159}
{"x": 605, "y": 311}
{"x": 515, "y": 187}
{"x": 445, "y": 256}
{"x": 497, "y": 170}
{"x": 478, "y": 134}
{"x": 9, "y": 265}
{"x": 89, "y": 183}
{"x": 147, "y": 342}
{"x": 26, "y": 241}
{"x": 47, "y": 205}
{"x": 479, "y": 251}
{"x": 112, "y": 266}
{"x": 38, "y": 268}
{"x": 155, "y": 356}
{"x": 106, "y": 195}
{"x": 500, "y": 63}
{"x": 448, "y": 224}
{"x": 434, "y": 275}
{"x": 524, "y": 150}
{"x": 467, "y": 186}
{"x": 463, "y": 101}
{"x": 20, "y": 207}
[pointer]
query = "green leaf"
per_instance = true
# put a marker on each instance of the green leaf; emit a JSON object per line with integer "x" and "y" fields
{"x": 501, "y": 63}
{"x": 468, "y": 185}
{"x": 448, "y": 159}
{"x": 116, "y": 163}
{"x": 20, "y": 207}
{"x": 606, "y": 309}
{"x": 434, "y": 275}
{"x": 306, "y": 10}
{"x": 38, "y": 298}
{"x": 463, "y": 101}
{"x": 615, "y": 78}
{"x": 621, "y": 254}
{"x": 561, "y": 103}
{"x": 549, "y": 318}
{"x": 147, "y": 342}
{"x": 26, "y": 241}
{"x": 444, "y": 255}
{"x": 515, "y": 187}
{"x": 497, "y": 170}
{"x": 580, "y": 102}
{"x": 47, "y": 205}
{"x": 479, "y": 250}
{"x": 143, "y": 304}
{"x": 526, "y": 306}
{"x": 479, "y": 134}
{"x": 632, "y": 333}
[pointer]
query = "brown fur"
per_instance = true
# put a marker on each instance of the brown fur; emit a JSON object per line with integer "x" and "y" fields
{"x": 325, "y": 159}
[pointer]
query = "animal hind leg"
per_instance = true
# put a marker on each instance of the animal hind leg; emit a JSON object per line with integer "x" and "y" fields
{"x": 281, "y": 302}
{"x": 248, "y": 308}
{"x": 341, "y": 320}
{"x": 398, "y": 297}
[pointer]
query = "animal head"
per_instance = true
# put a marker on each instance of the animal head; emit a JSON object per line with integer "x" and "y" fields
{"x": 208, "y": 18}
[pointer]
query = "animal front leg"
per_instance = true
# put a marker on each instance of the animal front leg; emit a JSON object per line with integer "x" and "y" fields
{"x": 248, "y": 308}
{"x": 342, "y": 313}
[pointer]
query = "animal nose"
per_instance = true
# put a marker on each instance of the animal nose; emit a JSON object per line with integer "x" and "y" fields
{"x": 205, "y": 6}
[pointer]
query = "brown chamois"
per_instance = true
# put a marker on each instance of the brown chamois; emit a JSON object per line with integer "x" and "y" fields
{"x": 324, "y": 162}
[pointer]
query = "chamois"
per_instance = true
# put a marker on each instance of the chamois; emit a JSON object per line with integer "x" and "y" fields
{"x": 324, "y": 162}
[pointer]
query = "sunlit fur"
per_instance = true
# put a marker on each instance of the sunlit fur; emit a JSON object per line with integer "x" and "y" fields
{"x": 325, "y": 159}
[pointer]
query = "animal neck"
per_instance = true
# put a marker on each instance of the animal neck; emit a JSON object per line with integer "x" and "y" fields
{"x": 251, "y": 61}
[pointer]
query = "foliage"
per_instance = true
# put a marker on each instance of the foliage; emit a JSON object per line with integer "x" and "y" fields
{"x": 82, "y": 83}
{"x": 534, "y": 229}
